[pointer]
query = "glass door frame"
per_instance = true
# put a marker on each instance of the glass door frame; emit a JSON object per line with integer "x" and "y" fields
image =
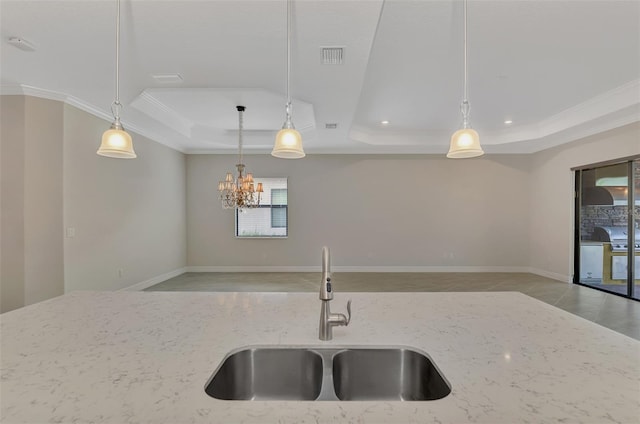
{"x": 631, "y": 220}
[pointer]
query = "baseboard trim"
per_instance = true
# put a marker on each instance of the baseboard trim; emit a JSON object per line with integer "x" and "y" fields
{"x": 358, "y": 269}
{"x": 155, "y": 280}
{"x": 275, "y": 268}
{"x": 247, "y": 268}
{"x": 553, "y": 275}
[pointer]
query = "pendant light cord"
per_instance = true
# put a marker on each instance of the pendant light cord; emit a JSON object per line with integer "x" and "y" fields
{"x": 115, "y": 107}
{"x": 464, "y": 107}
{"x": 288, "y": 60}
{"x": 466, "y": 89}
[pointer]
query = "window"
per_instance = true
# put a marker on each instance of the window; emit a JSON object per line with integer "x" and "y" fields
{"x": 269, "y": 219}
{"x": 279, "y": 208}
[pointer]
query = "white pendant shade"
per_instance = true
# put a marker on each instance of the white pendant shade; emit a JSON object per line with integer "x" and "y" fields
{"x": 288, "y": 144}
{"x": 465, "y": 143}
{"x": 117, "y": 143}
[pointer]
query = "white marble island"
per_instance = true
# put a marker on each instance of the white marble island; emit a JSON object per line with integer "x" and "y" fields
{"x": 137, "y": 357}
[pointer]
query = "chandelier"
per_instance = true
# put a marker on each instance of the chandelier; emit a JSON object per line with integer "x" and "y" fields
{"x": 241, "y": 193}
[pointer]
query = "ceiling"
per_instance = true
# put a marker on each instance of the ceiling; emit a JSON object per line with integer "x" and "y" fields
{"x": 560, "y": 70}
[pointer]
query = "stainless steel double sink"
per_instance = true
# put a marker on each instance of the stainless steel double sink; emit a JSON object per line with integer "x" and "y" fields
{"x": 327, "y": 374}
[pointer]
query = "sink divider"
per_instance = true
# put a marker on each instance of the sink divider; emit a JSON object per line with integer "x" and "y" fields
{"x": 327, "y": 391}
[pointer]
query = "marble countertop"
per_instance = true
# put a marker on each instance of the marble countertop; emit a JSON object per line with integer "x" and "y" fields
{"x": 145, "y": 357}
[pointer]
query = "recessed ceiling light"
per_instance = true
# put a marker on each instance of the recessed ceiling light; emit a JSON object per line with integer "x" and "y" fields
{"x": 508, "y": 121}
{"x": 384, "y": 122}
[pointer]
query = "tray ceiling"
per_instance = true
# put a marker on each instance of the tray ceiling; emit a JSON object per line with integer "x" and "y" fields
{"x": 559, "y": 70}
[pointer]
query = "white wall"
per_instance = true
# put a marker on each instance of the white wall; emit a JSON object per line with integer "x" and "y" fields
{"x": 551, "y": 225}
{"x": 373, "y": 211}
{"x": 128, "y": 215}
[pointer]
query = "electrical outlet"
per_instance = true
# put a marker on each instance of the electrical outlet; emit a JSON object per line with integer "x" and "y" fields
{"x": 120, "y": 272}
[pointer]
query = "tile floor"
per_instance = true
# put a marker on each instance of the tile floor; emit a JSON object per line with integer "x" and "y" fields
{"x": 614, "y": 312}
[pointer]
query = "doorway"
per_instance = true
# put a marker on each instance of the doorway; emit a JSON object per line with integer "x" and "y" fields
{"x": 607, "y": 221}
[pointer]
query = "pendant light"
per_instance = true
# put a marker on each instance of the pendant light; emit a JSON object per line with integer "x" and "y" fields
{"x": 116, "y": 142}
{"x": 465, "y": 143}
{"x": 288, "y": 143}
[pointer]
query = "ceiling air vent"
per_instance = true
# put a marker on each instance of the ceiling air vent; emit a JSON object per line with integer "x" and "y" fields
{"x": 331, "y": 126}
{"x": 332, "y": 55}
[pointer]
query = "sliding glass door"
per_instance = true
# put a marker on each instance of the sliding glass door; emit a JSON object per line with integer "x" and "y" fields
{"x": 634, "y": 254}
{"x": 607, "y": 238}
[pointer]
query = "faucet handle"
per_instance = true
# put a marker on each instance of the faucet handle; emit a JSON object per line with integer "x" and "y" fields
{"x": 348, "y": 312}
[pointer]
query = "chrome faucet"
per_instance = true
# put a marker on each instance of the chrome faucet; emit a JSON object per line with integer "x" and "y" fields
{"x": 327, "y": 319}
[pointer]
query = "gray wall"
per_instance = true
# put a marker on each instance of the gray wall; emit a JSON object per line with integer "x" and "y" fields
{"x": 373, "y": 211}
{"x": 32, "y": 248}
{"x": 139, "y": 220}
{"x": 12, "y": 200}
{"x": 43, "y": 245}
{"x": 128, "y": 215}
{"x": 423, "y": 211}
{"x": 551, "y": 224}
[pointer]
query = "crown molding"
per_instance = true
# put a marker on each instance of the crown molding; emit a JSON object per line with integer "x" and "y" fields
{"x": 612, "y": 109}
{"x": 154, "y": 108}
{"x": 27, "y": 90}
